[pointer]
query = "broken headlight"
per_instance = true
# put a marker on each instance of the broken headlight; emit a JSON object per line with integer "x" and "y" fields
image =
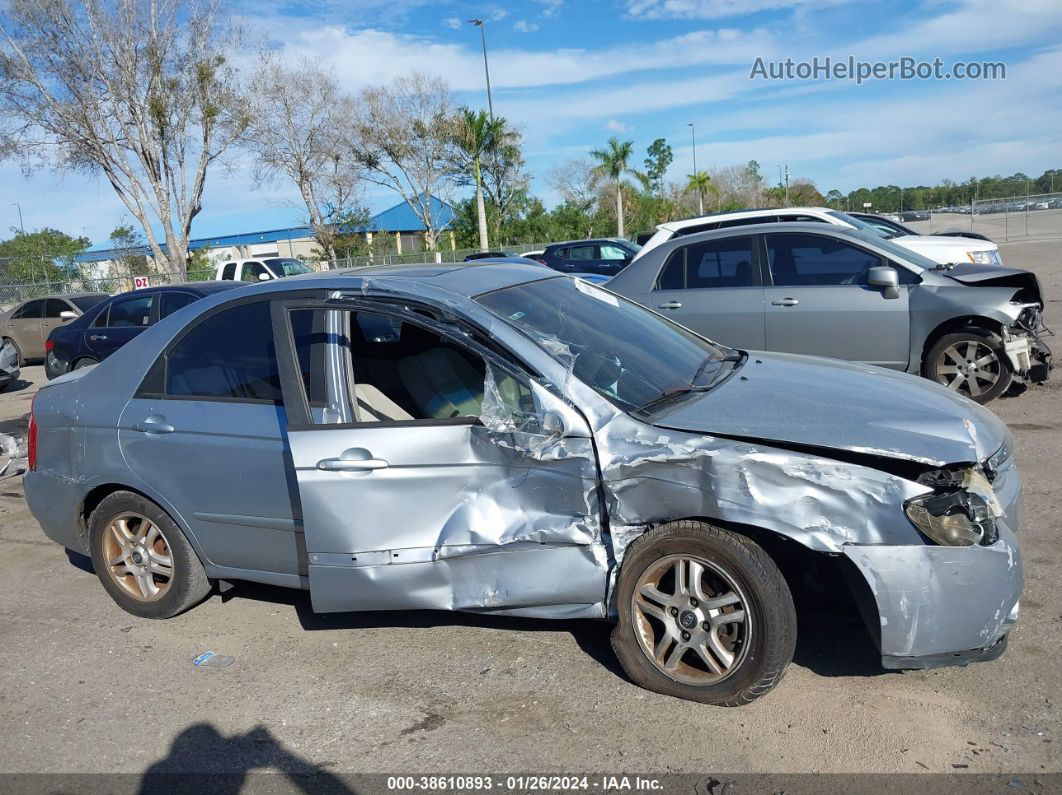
{"x": 961, "y": 510}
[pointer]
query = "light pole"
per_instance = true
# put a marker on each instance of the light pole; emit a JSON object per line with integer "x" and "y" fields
{"x": 486, "y": 69}
{"x": 20, "y": 224}
{"x": 700, "y": 196}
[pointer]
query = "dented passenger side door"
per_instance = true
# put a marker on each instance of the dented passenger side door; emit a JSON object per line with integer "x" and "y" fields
{"x": 432, "y": 473}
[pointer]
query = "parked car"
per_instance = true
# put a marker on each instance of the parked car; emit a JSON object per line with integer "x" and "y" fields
{"x": 595, "y": 278}
{"x": 914, "y": 215}
{"x": 110, "y": 324}
{"x": 833, "y": 291}
{"x": 488, "y": 255}
{"x": 893, "y": 229}
{"x": 260, "y": 269}
{"x": 9, "y": 365}
{"x": 527, "y": 443}
{"x": 27, "y": 325}
{"x": 605, "y": 256}
{"x": 945, "y": 250}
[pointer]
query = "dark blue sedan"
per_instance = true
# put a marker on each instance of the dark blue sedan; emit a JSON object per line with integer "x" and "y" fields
{"x": 110, "y": 324}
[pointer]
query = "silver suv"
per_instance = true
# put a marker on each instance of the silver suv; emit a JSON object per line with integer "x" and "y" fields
{"x": 830, "y": 291}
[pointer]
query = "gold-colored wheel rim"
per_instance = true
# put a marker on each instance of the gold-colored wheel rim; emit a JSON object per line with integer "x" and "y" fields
{"x": 691, "y": 619}
{"x": 138, "y": 557}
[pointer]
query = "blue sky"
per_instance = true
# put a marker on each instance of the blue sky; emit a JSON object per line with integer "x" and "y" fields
{"x": 570, "y": 74}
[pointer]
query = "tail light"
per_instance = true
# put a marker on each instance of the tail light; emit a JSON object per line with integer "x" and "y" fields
{"x": 31, "y": 441}
{"x": 541, "y": 261}
{"x": 49, "y": 344}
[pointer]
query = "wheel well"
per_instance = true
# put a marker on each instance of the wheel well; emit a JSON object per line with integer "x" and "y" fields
{"x": 819, "y": 581}
{"x": 957, "y": 324}
{"x": 92, "y": 501}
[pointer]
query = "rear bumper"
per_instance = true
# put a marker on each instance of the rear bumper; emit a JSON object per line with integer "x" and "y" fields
{"x": 55, "y": 503}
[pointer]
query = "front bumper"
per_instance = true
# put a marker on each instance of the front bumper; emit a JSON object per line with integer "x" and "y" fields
{"x": 940, "y": 605}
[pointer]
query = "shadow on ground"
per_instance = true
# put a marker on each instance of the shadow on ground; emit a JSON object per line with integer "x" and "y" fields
{"x": 201, "y": 759}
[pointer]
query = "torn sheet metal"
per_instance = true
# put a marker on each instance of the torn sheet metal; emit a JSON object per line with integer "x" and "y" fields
{"x": 12, "y": 456}
{"x": 9, "y": 369}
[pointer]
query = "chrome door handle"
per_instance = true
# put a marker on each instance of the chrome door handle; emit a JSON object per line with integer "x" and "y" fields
{"x": 785, "y": 302}
{"x": 97, "y": 337}
{"x": 351, "y": 464}
{"x": 154, "y": 424}
{"x": 671, "y": 305}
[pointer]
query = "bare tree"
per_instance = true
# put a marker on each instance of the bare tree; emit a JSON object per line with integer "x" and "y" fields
{"x": 403, "y": 138}
{"x": 297, "y": 130}
{"x": 133, "y": 89}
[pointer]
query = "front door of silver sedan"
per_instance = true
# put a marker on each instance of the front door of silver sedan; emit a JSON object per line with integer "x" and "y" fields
{"x": 714, "y": 288}
{"x": 820, "y": 302}
{"x": 427, "y": 471}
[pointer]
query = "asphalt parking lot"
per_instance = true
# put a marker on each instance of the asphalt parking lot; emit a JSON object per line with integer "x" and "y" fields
{"x": 85, "y": 687}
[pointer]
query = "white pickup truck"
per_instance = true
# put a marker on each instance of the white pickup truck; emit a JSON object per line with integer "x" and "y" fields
{"x": 260, "y": 269}
{"x": 939, "y": 248}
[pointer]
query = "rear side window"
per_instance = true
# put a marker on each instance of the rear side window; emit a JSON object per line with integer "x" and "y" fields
{"x": 711, "y": 264}
{"x": 228, "y": 355}
{"x": 29, "y": 311}
{"x": 171, "y": 302}
{"x": 131, "y": 312}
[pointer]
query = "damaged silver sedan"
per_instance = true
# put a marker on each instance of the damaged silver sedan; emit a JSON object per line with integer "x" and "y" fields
{"x": 502, "y": 439}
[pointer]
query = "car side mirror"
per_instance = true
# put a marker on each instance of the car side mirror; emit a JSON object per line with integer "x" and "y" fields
{"x": 886, "y": 277}
{"x": 67, "y": 315}
{"x": 264, "y": 277}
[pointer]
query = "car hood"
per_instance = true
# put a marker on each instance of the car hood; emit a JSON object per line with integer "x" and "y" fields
{"x": 827, "y": 403}
{"x": 941, "y": 242}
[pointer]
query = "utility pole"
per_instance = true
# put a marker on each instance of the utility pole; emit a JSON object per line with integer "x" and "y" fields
{"x": 700, "y": 195}
{"x": 486, "y": 68}
{"x": 20, "y": 224}
{"x": 787, "y": 184}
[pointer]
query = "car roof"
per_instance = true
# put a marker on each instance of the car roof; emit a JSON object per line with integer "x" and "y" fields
{"x": 813, "y": 227}
{"x": 751, "y": 212}
{"x": 589, "y": 240}
{"x": 60, "y": 295}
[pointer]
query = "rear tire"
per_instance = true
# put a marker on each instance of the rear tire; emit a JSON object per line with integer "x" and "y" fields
{"x": 143, "y": 559}
{"x": 970, "y": 362}
{"x": 19, "y": 360}
{"x": 704, "y": 615}
{"x": 82, "y": 363}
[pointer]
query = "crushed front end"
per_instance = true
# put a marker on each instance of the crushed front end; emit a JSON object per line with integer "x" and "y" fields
{"x": 1023, "y": 343}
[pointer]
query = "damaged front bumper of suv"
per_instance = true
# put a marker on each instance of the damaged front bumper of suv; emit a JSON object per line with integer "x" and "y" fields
{"x": 1023, "y": 343}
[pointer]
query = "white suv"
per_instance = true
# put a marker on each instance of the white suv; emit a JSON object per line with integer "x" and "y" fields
{"x": 939, "y": 248}
{"x": 260, "y": 269}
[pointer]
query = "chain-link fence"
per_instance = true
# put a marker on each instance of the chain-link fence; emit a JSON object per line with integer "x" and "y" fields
{"x": 1002, "y": 220}
{"x": 89, "y": 277}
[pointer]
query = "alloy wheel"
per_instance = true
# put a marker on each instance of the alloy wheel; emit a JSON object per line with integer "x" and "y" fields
{"x": 138, "y": 557}
{"x": 969, "y": 367}
{"x": 691, "y": 620}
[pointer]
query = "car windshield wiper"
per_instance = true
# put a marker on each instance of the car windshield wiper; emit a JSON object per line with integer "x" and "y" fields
{"x": 734, "y": 357}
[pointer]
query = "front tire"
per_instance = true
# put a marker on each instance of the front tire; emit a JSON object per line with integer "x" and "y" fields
{"x": 143, "y": 559}
{"x": 970, "y": 362}
{"x": 704, "y": 615}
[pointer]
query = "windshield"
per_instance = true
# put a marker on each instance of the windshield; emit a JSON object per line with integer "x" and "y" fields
{"x": 858, "y": 223}
{"x": 86, "y": 302}
{"x": 290, "y": 267}
{"x": 625, "y": 352}
{"x": 899, "y": 252}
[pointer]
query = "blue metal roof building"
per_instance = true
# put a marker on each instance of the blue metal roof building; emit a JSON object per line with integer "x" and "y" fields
{"x": 400, "y": 219}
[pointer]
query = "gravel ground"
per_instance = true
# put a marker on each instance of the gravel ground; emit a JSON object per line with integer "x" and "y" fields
{"x": 85, "y": 687}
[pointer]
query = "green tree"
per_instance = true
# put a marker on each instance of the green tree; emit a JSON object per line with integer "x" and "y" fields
{"x": 700, "y": 183}
{"x": 475, "y": 136}
{"x": 129, "y": 247}
{"x": 660, "y": 157}
{"x": 45, "y": 255}
{"x": 612, "y": 164}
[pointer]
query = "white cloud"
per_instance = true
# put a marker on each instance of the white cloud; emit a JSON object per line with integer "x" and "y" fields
{"x": 716, "y": 9}
{"x": 550, "y": 7}
{"x": 366, "y": 57}
{"x": 525, "y": 26}
{"x": 617, "y": 126}
{"x": 497, "y": 14}
{"x": 453, "y": 23}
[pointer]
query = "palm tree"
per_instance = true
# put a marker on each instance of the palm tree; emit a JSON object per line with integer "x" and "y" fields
{"x": 612, "y": 163}
{"x": 476, "y": 135}
{"x": 700, "y": 181}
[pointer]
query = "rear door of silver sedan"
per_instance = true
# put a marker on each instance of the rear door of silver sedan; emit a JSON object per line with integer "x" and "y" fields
{"x": 432, "y": 472}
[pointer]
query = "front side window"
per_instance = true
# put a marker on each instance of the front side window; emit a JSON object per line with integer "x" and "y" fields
{"x": 711, "y": 264}
{"x": 171, "y": 302}
{"x": 53, "y": 308}
{"x": 230, "y": 354}
{"x": 400, "y": 371}
{"x": 86, "y": 302}
{"x": 288, "y": 267}
{"x": 252, "y": 272}
{"x": 131, "y": 312}
{"x": 610, "y": 252}
{"x": 626, "y": 353}
{"x": 811, "y": 260}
